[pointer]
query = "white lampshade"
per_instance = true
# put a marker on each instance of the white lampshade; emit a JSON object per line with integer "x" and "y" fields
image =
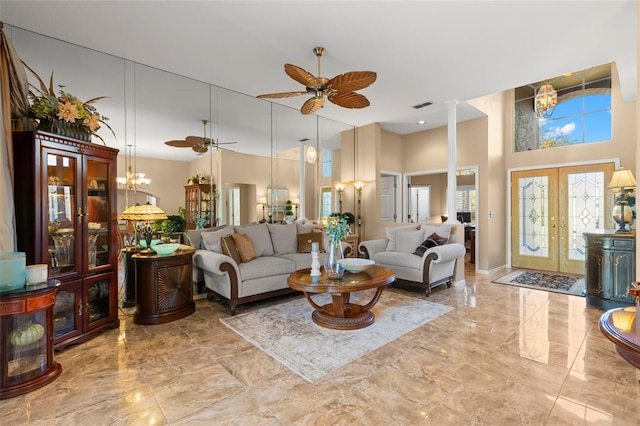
{"x": 622, "y": 179}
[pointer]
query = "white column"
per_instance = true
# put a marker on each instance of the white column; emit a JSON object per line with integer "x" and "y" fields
{"x": 301, "y": 212}
{"x": 451, "y": 163}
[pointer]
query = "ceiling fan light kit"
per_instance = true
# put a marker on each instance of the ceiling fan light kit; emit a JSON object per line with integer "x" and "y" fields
{"x": 340, "y": 90}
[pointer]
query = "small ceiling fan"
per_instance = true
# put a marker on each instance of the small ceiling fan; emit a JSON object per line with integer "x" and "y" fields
{"x": 340, "y": 89}
{"x": 200, "y": 144}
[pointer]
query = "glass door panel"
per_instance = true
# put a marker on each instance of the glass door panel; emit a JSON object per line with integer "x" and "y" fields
{"x": 98, "y": 299}
{"x": 97, "y": 214}
{"x": 62, "y": 211}
{"x": 64, "y": 312}
{"x": 27, "y": 350}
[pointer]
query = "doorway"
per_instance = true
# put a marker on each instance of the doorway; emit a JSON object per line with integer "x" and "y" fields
{"x": 551, "y": 209}
{"x": 389, "y": 197}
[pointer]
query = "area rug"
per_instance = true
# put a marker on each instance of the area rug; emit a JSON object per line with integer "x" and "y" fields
{"x": 559, "y": 283}
{"x": 287, "y": 333}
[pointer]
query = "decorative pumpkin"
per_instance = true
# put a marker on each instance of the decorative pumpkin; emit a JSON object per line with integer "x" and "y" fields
{"x": 26, "y": 335}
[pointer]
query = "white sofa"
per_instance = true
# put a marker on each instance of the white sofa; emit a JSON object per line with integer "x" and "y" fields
{"x": 276, "y": 247}
{"x": 431, "y": 268}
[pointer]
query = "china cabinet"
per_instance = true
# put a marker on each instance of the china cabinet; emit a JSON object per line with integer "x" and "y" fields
{"x": 199, "y": 200}
{"x": 66, "y": 217}
{"x": 610, "y": 268}
{"x": 26, "y": 339}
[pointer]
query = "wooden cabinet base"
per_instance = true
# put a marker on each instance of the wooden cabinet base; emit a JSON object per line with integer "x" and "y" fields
{"x": 163, "y": 287}
{"x": 40, "y": 381}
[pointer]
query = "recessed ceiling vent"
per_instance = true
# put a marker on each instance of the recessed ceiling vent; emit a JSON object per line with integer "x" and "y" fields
{"x": 423, "y": 105}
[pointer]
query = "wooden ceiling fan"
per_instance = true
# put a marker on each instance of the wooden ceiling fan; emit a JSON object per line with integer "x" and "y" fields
{"x": 200, "y": 144}
{"x": 340, "y": 89}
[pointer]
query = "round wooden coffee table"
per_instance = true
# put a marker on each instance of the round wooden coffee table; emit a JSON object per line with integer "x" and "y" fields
{"x": 341, "y": 314}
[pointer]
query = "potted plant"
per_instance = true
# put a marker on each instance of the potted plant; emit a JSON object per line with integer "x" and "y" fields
{"x": 173, "y": 226}
{"x": 288, "y": 212}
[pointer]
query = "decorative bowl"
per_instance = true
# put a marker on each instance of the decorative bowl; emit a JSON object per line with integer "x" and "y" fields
{"x": 165, "y": 249}
{"x": 355, "y": 265}
{"x": 143, "y": 243}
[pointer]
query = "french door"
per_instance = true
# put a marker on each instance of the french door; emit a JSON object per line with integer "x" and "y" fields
{"x": 551, "y": 209}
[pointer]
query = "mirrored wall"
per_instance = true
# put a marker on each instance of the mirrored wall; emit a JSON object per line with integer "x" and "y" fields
{"x": 259, "y": 148}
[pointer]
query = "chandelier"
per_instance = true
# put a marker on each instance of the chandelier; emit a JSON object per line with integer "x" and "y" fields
{"x": 132, "y": 181}
{"x": 546, "y": 100}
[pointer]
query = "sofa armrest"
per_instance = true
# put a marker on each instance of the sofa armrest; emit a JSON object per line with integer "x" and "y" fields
{"x": 371, "y": 247}
{"x": 445, "y": 253}
{"x": 214, "y": 262}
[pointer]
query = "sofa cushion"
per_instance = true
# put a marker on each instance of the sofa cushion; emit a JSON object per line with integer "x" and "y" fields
{"x": 407, "y": 241}
{"x": 259, "y": 235}
{"x": 305, "y": 240}
{"x": 442, "y": 230}
{"x": 211, "y": 240}
{"x": 391, "y": 235}
{"x": 229, "y": 248}
{"x": 266, "y": 266}
{"x": 394, "y": 258}
{"x": 283, "y": 237}
{"x": 245, "y": 247}
{"x": 307, "y": 227}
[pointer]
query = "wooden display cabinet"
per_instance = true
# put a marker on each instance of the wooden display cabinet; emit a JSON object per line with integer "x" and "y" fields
{"x": 66, "y": 217}
{"x": 199, "y": 199}
{"x": 26, "y": 339}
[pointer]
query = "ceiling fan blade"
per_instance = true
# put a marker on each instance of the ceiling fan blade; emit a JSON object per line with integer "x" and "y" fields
{"x": 349, "y": 100}
{"x": 179, "y": 143}
{"x": 223, "y": 143}
{"x": 200, "y": 149}
{"x": 352, "y": 81}
{"x": 312, "y": 105}
{"x": 197, "y": 140}
{"x": 301, "y": 76}
{"x": 282, "y": 95}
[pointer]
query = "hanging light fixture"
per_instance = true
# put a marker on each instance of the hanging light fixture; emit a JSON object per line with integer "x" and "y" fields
{"x": 312, "y": 154}
{"x": 132, "y": 181}
{"x": 546, "y": 100}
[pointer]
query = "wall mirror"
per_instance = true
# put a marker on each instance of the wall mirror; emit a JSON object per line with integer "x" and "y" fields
{"x": 263, "y": 141}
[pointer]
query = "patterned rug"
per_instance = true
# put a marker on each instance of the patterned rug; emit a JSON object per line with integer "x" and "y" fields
{"x": 287, "y": 333}
{"x": 560, "y": 283}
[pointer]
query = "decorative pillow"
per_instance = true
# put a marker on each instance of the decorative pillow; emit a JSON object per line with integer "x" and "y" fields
{"x": 426, "y": 245}
{"x": 407, "y": 241}
{"x": 391, "y": 235}
{"x": 305, "y": 240}
{"x": 229, "y": 248}
{"x": 211, "y": 239}
{"x": 438, "y": 239}
{"x": 244, "y": 246}
{"x": 283, "y": 237}
{"x": 260, "y": 238}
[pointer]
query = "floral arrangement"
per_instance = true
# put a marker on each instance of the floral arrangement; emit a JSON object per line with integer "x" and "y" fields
{"x": 337, "y": 228}
{"x": 66, "y": 108}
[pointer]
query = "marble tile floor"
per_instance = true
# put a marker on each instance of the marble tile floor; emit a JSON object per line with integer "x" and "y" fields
{"x": 503, "y": 356}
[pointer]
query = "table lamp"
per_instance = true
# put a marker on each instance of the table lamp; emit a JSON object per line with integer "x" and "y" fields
{"x": 146, "y": 213}
{"x": 621, "y": 182}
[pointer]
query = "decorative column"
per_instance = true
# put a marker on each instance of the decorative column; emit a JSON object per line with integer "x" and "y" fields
{"x": 451, "y": 163}
{"x": 303, "y": 149}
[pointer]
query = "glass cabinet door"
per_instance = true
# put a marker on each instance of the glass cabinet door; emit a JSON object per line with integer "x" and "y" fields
{"x": 98, "y": 300}
{"x": 27, "y": 346}
{"x": 98, "y": 214}
{"x": 67, "y": 311}
{"x": 63, "y": 212}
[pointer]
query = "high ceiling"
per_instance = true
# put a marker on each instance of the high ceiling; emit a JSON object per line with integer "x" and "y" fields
{"x": 421, "y": 50}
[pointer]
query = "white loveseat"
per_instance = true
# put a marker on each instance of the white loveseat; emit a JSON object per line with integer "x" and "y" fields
{"x": 432, "y": 266}
{"x": 276, "y": 247}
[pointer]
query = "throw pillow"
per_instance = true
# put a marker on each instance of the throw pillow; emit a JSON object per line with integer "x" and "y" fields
{"x": 426, "y": 245}
{"x": 283, "y": 237}
{"x": 229, "y": 248}
{"x": 211, "y": 239}
{"x": 443, "y": 230}
{"x": 305, "y": 240}
{"x": 438, "y": 239}
{"x": 260, "y": 238}
{"x": 391, "y": 235}
{"x": 245, "y": 247}
{"x": 407, "y": 241}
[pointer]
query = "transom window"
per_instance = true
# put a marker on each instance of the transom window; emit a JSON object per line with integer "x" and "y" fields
{"x": 583, "y": 113}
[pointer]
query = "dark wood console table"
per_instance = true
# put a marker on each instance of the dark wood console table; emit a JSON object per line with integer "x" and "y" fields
{"x": 164, "y": 291}
{"x": 26, "y": 343}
